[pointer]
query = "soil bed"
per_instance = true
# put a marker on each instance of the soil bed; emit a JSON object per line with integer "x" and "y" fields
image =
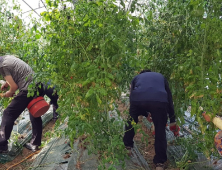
{"x": 147, "y": 150}
{"x": 25, "y": 153}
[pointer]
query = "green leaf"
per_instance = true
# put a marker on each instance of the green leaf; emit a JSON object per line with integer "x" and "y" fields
{"x": 35, "y": 27}
{"x": 89, "y": 93}
{"x": 87, "y": 81}
{"x": 98, "y": 99}
{"x": 218, "y": 52}
{"x": 110, "y": 76}
{"x": 122, "y": 3}
{"x": 108, "y": 82}
{"x": 103, "y": 91}
{"x": 74, "y": 67}
{"x": 37, "y": 36}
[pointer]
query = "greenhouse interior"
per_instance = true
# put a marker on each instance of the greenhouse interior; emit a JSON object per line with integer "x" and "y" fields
{"x": 111, "y": 84}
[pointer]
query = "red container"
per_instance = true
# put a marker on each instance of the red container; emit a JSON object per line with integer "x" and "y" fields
{"x": 38, "y": 106}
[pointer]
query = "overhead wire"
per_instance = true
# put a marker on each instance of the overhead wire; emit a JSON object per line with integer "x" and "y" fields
{"x": 30, "y": 7}
{"x": 32, "y": 10}
{"x": 43, "y": 3}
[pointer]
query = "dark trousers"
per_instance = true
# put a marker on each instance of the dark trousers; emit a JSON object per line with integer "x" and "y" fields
{"x": 52, "y": 94}
{"x": 12, "y": 112}
{"x": 158, "y": 112}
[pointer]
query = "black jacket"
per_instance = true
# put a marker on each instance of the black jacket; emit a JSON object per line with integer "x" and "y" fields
{"x": 152, "y": 86}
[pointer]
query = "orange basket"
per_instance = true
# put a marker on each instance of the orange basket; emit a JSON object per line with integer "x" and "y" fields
{"x": 38, "y": 106}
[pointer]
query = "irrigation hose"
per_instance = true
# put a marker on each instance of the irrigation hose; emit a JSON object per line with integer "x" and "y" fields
{"x": 24, "y": 159}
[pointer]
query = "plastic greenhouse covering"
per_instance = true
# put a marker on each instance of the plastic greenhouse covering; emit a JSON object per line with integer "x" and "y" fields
{"x": 58, "y": 155}
{"x": 90, "y": 161}
{"x": 54, "y": 156}
{"x": 176, "y": 153}
{"x": 21, "y": 134}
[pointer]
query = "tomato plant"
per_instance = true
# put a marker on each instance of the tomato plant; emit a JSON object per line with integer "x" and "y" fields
{"x": 90, "y": 55}
{"x": 184, "y": 45}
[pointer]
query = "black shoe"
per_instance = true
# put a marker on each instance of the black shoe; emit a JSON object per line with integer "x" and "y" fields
{"x": 31, "y": 147}
{"x": 160, "y": 166}
{"x": 3, "y": 149}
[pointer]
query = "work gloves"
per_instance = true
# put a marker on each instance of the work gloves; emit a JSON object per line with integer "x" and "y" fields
{"x": 173, "y": 126}
{"x": 175, "y": 129}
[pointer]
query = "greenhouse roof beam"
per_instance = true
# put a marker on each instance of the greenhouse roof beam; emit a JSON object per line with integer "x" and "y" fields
{"x": 43, "y": 4}
{"x": 31, "y": 7}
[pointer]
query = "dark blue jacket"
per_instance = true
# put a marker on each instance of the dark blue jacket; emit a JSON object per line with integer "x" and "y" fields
{"x": 151, "y": 86}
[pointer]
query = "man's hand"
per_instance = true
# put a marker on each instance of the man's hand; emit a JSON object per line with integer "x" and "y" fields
{"x": 4, "y": 86}
{"x": 9, "y": 94}
{"x": 175, "y": 129}
{"x": 13, "y": 86}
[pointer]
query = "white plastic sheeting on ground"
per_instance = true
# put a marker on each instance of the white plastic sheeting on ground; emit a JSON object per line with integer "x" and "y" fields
{"x": 21, "y": 134}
